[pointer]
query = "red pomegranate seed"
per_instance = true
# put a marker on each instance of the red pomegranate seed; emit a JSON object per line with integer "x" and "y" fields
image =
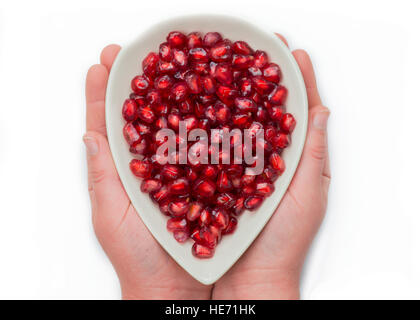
{"x": 165, "y": 52}
{"x": 287, "y": 123}
{"x": 179, "y": 91}
{"x": 281, "y": 140}
{"x": 149, "y": 64}
{"x": 201, "y": 251}
{"x": 278, "y": 95}
{"x": 222, "y": 112}
{"x": 261, "y": 114}
{"x": 180, "y": 58}
{"x": 171, "y": 172}
{"x": 241, "y": 47}
{"x": 254, "y": 71}
{"x": 226, "y": 94}
{"x": 139, "y": 147}
{"x": 253, "y": 202}
{"x": 220, "y": 218}
{"x": 199, "y": 54}
{"x": 261, "y": 59}
{"x": 164, "y": 207}
{"x": 238, "y": 207}
{"x": 176, "y": 39}
{"x": 179, "y": 186}
{"x": 205, "y": 217}
{"x": 247, "y": 179}
{"x": 160, "y": 195}
{"x": 245, "y": 105}
{"x": 194, "y": 40}
{"x": 277, "y": 162}
{"x": 140, "y": 84}
{"x": 204, "y": 188}
{"x": 146, "y": 114}
{"x": 181, "y": 236}
{"x": 178, "y": 207}
{"x": 177, "y": 223}
{"x": 141, "y": 168}
{"x": 208, "y": 84}
{"x": 161, "y": 123}
{"x": 272, "y": 72}
{"x": 225, "y": 200}
{"x": 223, "y": 73}
{"x": 193, "y": 81}
{"x": 240, "y": 61}
{"x": 245, "y": 86}
{"x": 209, "y": 171}
{"x": 262, "y": 86}
{"x": 223, "y": 183}
{"x": 241, "y": 120}
{"x": 221, "y": 52}
{"x": 153, "y": 97}
{"x": 173, "y": 121}
{"x": 211, "y": 38}
{"x": 129, "y": 110}
{"x": 130, "y": 133}
{"x": 164, "y": 83}
{"x": 276, "y": 113}
{"x": 166, "y": 67}
{"x": 208, "y": 236}
{"x": 150, "y": 185}
{"x": 231, "y": 226}
{"x": 264, "y": 189}
{"x": 194, "y": 210}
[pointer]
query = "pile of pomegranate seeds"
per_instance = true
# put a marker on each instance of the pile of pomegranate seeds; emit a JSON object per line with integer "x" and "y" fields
{"x": 210, "y": 83}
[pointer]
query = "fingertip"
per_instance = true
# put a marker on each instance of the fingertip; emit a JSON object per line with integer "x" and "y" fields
{"x": 109, "y": 54}
{"x": 96, "y": 79}
{"x": 282, "y": 38}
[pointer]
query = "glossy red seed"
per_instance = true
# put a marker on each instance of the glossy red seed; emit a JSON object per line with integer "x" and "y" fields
{"x": 261, "y": 59}
{"x": 194, "y": 40}
{"x": 272, "y": 72}
{"x": 209, "y": 171}
{"x": 153, "y": 97}
{"x": 199, "y": 54}
{"x": 270, "y": 174}
{"x": 225, "y": 200}
{"x": 178, "y": 223}
{"x": 278, "y": 95}
{"x": 193, "y": 81}
{"x": 160, "y": 195}
{"x": 180, "y": 58}
{"x": 245, "y": 86}
{"x": 173, "y": 121}
{"x": 223, "y": 182}
{"x": 231, "y": 227}
{"x": 146, "y": 114}
{"x": 141, "y": 168}
{"x": 163, "y": 83}
{"x": 181, "y": 236}
{"x": 164, "y": 207}
{"x": 150, "y": 63}
{"x": 275, "y": 112}
{"x": 222, "y": 112}
{"x": 130, "y": 133}
{"x": 211, "y": 38}
{"x": 179, "y": 91}
{"x": 166, "y": 67}
{"x": 179, "y": 186}
{"x": 241, "y": 47}
{"x": 176, "y": 39}
{"x": 253, "y": 202}
{"x": 165, "y": 52}
{"x": 242, "y": 62}
{"x": 171, "y": 172}
{"x": 205, "y": 217}
{"x": 227, "y": 94}
{"x": 221, "y": 52}
{"x": 201, "y": 251}
{"x": 129, "y": 110}
{"x": 277, "y": 162}
{"x": 140, "y": 84}
{"x": 262, "y": 86}
{"x": 139, "y": 147}
{"x": 220, "y": 218}
{"x": 223, "y": 73}
{"x": 191, "y": 122}
{"x": 287, "y": 123}
{"x": 194, "y": 210}
{"x": 150, "y": 185}
{"x": 178, "y": 207}
{"x": 254, "y": 71}
{"x": 204, "y": 188}
{"x": 281, "y": 140}
{"x": 238, "y": 206}
{"x": 241, "y": 120}
{"x": 244, "y": 105}
{"x": 264, "y": 189}
{"x": 261, "y": 114}
{"x": 207, "y": 237}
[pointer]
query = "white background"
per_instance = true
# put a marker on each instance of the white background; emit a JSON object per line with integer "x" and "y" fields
{"x": 366, "y": 56}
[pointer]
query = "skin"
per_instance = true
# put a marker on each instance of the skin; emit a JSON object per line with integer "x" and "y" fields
{"x": 271, "y": 267}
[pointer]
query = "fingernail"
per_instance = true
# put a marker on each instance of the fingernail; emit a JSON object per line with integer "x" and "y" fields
{"x": 91, "y": 145}
{"x": 321, "y": 119}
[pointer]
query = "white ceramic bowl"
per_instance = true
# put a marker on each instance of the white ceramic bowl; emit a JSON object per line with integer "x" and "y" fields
{"x": 128, "y": 64}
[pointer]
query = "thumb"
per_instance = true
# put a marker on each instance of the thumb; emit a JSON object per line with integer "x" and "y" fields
{"x": 315, "y": 153}
{"x": 108, "y": 198}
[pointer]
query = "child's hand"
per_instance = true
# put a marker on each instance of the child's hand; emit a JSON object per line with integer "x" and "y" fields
{"x": 145, "y": 270}
{"x": 270, "y": 269}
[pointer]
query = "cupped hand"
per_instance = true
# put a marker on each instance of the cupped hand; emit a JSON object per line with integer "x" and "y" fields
{"x": 270, "y": 269}
{"x": 144, "y": 269}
